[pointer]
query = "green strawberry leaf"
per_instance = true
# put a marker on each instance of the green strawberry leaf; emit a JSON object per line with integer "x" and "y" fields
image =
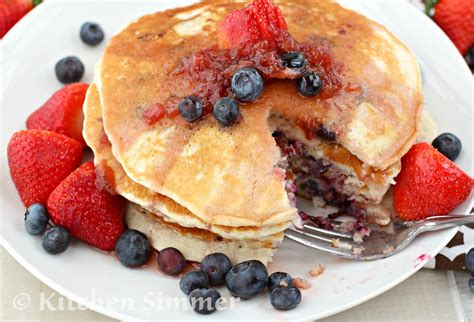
{"x": 429, "y": 5}
{"x": 36, "y": 2}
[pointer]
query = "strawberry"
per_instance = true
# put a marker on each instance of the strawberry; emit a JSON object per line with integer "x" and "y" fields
{"x": 62, "y": 113}
{"x": 39, "y": 161}
{"x": 260, "y": 20}
{"x": 456, "y": 18}
{"x": 13, "y": 10}
{"x": 429, "y": 184}
{"x": 91, "y": 214}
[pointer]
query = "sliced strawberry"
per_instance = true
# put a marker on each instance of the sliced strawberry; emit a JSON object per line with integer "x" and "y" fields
{"x": 39, "y": 161}
{"x": 260, "y": 20}
{"x": 62, "y": 113}
{"x": 87, "y": 212}
{"x": 429, "y": 184}
{"x": 268, "y": 17}
{"x": 154, "y": 113}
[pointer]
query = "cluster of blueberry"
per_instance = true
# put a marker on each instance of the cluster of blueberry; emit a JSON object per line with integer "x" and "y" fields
{"x": 133, "y": 249}
{"x": 247, "y": 86}
{"x": 244, "y": 280}
{"x": 56, "y": 239}
{"x": 469, "y": 261}
{"x": 70, "y": 69}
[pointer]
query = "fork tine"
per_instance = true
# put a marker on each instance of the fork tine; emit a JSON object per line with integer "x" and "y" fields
{"x": 299, "y": 237}
{"x": 328, "y": 232}
{"x": 322, "y": 238}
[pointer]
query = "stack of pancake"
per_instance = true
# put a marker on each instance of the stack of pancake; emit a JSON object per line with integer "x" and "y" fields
{"x": 201, "y": 188}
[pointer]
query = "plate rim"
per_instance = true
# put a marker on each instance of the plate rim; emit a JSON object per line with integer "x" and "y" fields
{"x": 13, "y": 35}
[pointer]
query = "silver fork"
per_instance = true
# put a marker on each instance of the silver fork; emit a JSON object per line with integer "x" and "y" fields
{"x": 380, "y": 243}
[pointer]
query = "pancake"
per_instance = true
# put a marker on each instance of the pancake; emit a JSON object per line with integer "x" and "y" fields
{"x": 232, "y": 177}
{"x": 112, "y": 172}
{"x": 196, "y": 243}
{"x": 363, "y": 184}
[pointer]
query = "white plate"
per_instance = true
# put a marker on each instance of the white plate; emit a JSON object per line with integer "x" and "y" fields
{"x": 97, "y": 280}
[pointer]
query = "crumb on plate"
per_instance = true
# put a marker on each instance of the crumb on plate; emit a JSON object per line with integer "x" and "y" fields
{"x": 316, "y": 271}
{"x": 301, "y": 283}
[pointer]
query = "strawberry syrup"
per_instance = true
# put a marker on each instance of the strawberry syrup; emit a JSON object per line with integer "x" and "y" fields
{"x": 210, "y": 70}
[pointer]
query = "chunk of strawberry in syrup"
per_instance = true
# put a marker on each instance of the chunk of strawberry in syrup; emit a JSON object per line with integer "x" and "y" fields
{"x": 260, "y": 20}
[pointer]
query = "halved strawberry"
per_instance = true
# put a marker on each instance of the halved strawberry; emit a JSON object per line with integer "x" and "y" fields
{"x": 13, "y": 10}
{"x": 89, "y": 213}
{"x": 39, "y": 161}
{"x": 62, "y": 113}
{"x": 260, "y": 20}
{"x": 429, "y": 184}
{"x": 456, "y": 18}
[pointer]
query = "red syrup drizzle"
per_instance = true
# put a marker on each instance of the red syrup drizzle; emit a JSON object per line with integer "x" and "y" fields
{"x": 210, "y": 70}
{"x": 154, "y": 113}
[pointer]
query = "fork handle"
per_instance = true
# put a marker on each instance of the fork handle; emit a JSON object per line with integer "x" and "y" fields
{"x": 443, "y": 222}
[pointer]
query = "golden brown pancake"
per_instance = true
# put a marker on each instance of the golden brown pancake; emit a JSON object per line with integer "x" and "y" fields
{"x": 197, "y": 243}
{"x": 111, "y": 171}
{"x": 230, "y": 177}
{"x": 192, "y": 236}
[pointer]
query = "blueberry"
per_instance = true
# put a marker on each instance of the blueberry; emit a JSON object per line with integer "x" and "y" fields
{"x": 469, "y": 260}
{"x": 471, "y": 283}
{"x": 325, "y": 133}
{"x": 171, "y": 261}
{"x": 91, "y": 33}
{"x": 247, "y": 84}
{"x": 190, "y": 108}
{"x": 216, "y": 267}
{"x": 36, "y": 219}
{"x": 247, "y": 279}
{"x": 278, "y": 279}
{"x": 69, "y": 70}
{"x": 471, "y": 56}
{"x": 204, "y": 300}
{"x": 192, "y": 281}
{"x": 226, "y": 111}
{"x": 56, "y": 240}
{"x": 293, "y": 59}
{"x": 310, "y": 84}
{"x": 285, "y": 298}
{"x": 449, "y": 145}
{"x": 133, "y": 248}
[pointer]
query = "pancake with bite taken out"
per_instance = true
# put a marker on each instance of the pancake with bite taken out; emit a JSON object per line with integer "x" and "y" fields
{"x": 233, "y": 176}
{"x": 226, "y": 187}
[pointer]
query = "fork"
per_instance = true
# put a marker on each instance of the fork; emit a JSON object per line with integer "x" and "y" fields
{"x": 381, "y": 243}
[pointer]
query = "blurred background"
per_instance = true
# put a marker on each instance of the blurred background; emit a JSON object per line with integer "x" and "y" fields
{"x": 454, "y": 17}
